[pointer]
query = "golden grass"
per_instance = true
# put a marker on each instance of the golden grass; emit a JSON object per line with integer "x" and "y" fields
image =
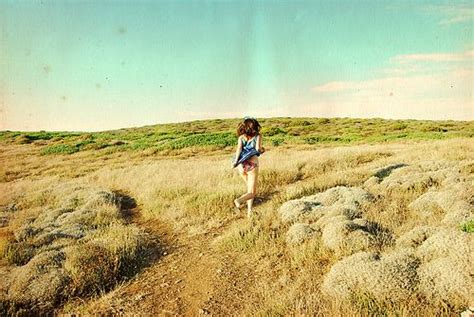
{"x": 195, "y": 196}
{"x": 91, "y": 267}
{"x": 66, "y": 231}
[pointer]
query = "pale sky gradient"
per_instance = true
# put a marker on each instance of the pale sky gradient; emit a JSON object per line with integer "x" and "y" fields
{"x": 98, "y": 65}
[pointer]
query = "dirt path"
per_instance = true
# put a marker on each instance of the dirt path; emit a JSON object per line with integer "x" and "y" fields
{"x": 185, "y": 277}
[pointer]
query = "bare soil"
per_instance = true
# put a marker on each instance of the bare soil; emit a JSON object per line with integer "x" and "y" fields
{"x": 184, "y": 277}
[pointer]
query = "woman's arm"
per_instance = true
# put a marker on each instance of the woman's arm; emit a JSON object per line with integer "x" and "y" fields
{"x": 239, "y": 148}
{"x": 260, "y": 148}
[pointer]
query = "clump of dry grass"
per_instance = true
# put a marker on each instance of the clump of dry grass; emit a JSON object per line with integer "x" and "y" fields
{"x": 104, "y": 257}
{"x": 437, "y": 194}
{"x": 405, "y": 179}
{"x": 415, "y": 237}
{"x": 387, "y": 277}
{"x": 125, "y": 244}
{"x": 298, "y": 232}
{"x": 345, "y": 236}
{"x": 343, "y": 195}
{"x": 91, "y": 267}
{"x": 296, "y": 209}
{"x": 446, "y": 242}
{"x": 41, "y": 283}
{"x": 17, "y": 252}
{"x": 78, "y": 244}
{"x": 416, "y": 280}
{"x": 450, "y": 204}
{"x": 444, "y": 281}
{"x": 332, "y": 214}
{"x": 445, "y": 275}
{"x": 336, "y": 201}
{"x": 5, "y": 238}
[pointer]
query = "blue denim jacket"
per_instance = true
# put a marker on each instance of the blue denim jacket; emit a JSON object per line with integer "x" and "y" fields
{"x": 248, "y": 150}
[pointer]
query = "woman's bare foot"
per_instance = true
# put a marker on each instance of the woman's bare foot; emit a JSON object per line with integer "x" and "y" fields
{"x": 249, "y": 213}
{"x": 237, "y": 204}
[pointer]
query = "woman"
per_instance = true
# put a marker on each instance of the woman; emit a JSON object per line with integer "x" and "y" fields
{"x": 249, "y": 148}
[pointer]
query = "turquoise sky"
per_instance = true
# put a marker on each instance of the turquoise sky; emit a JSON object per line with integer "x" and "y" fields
{"x": 90, "y": 65}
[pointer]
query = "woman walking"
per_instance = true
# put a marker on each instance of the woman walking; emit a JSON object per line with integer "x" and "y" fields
{"x": 249, "y": 148}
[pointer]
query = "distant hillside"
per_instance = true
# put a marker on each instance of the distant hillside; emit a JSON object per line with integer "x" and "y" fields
{"x": 218, "y": 134}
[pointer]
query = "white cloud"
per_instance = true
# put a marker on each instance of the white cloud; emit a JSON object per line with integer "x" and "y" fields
{"x": 452, "y": 14}
{"x": 415, "y": 86}
{"x": 435, "y": 57}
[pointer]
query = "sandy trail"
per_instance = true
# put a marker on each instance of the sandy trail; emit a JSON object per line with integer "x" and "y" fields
{"x": 184, "y": 277}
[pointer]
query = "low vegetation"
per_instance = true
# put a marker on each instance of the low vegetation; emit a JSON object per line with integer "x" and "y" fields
{"x": 371, "y": 229}
{"x": 215, "y": 135}
{"x": 66, "y": 240}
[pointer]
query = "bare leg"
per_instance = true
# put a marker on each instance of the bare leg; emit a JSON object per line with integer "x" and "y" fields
{"x": 251, "y": 188}
{"x": 242, "y": 173}
{"x": 245, "y": 197}
{"x": 238, "y": 202}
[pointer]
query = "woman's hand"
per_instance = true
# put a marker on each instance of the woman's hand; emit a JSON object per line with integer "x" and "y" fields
{"x": 262, "y": 150}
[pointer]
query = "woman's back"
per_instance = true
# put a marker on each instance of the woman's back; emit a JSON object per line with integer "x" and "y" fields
{"x": 249, "y": 150}
{"x": 248, "y": 144}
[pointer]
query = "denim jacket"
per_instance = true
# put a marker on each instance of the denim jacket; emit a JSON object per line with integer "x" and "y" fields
{"x": 249, "y": 149}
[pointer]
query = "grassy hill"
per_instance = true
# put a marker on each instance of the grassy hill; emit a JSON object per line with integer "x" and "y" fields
{"x": 352, "y": 217}
{"x": 215, "y": 135}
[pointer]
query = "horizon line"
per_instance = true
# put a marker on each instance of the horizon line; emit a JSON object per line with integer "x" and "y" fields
{"x": 235, "y": 118}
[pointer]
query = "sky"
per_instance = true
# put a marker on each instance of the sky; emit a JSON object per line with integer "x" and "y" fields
{"x": 100, "y": 65}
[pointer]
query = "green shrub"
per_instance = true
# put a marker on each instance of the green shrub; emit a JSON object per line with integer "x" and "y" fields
{"x": 273, "y": 131}
{"x": 59, "y": 149}
{"x": 319, "y": 138}
{"x": 323, "y": 121}
{"x": 468, "y": 226}
{"x": 203, "y": 139}
{"x": 400, "y": 126}
{"x": 218, "y": 134}
{"x": 39, "y": 136}
{"x": 277, "y": 142}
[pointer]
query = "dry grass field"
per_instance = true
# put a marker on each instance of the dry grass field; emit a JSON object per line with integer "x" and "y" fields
{"x": 379, "y": 228}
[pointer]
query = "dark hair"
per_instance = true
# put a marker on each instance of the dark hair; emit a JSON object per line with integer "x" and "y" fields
{"x": 249, "y": 126}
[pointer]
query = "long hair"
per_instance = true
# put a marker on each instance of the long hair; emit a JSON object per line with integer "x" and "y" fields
{"x": 249, "y": 127}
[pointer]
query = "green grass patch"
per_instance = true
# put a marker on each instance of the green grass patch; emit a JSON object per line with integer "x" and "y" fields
{"x": 60, "y": 149}
{"x": 315, "y": 139}
{"x": 218, "y": 134}
{"x": 204, "y": 139}
{"x": 468, "y": 226}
